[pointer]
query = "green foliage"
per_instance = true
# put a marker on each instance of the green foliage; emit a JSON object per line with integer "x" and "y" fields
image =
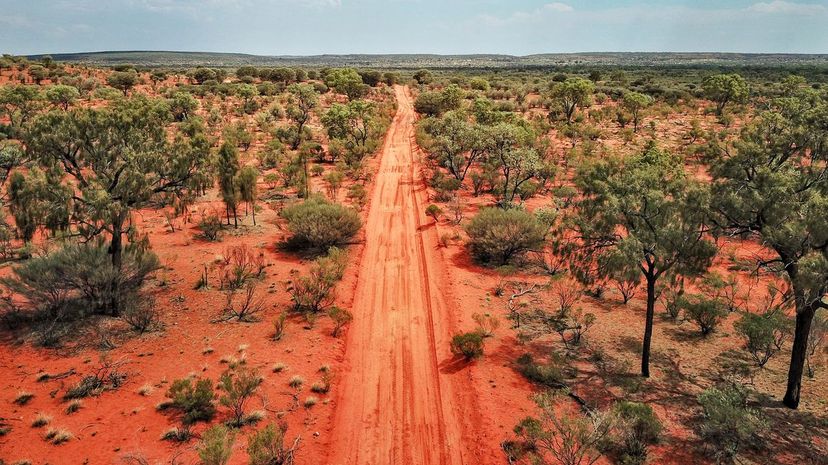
{"x": 62, "y": 95}
{"x": 239, "y": 384}
{"x": 123, "y": 80}
{"x": 728, "y": 424}
{"x": 705, "y": 311}
{"x": 354, "y": 123}
{"x": 313, "y": 292}
{"x": 193, "y": 400}
{"x": 550, "y": 375}
{"x": 228, "y": 170}
{"x": 267, "y": 446}
{"x": 346, "y": 81}
{"x": 639, "y": 428}
{"x": 498, "y": 236}
{"x": 182, "y": 105}
{"x": 216, "y": 446}
{"x": 319, "y": 224}
{"x": 433, "y": 103}
{"x": 725, "y": 88}
{"x": 469, "y": 345}
{"x": 764, "y": 333}
{"x": 572, "y": 93}
{"x": 634, "y": 103}
{"x": 300, "y": 107}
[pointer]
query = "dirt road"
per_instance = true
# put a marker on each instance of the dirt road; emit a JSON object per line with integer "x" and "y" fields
{"x": 393, "y": 405}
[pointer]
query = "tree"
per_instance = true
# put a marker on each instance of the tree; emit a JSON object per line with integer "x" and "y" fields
{"x": 238, "y": 384}
{"x": 728, "y": 423}
{"x": 228, "y": 170}
{"x": 304, "y": 99}
{"x": 202, "y": 75}
{"x": 248, "y": 187}
{"x": 639, "y": 213}
{"x": 572, "y": 93}
{"x": 764, "y": 333}
{"x": 182, "y": 105}
{"x": 352, "y": 123}
{"x": 247, "y": 71}
{"x": 498, "y": 235}
{"x": 510, "y": 148}
{"x": 423, "y": 76}
{"x": 116, "y": 160}
{"x": 772, "y": 187}
{"x": 371, "y": 77}
{"x": 62, "y": 96}
{"x": 456, "y": 143}
{"x": 634, "y": 102}
{"x": 433, "y": 103}
{"x": 725, "y": 88}
{"x": 19, "y": 103}
{"x": 346, "y": 81}
{"x": 640, "y": 427}
{"x": 123, "y": 80}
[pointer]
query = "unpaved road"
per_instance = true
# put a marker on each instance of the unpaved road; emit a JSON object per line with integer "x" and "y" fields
{"x": 393, "y": 405}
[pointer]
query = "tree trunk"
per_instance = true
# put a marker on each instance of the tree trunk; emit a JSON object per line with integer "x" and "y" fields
{"x": 116, "y": 248}
{"x": 253, "y": 210}
{"x": 804, "y": 317}
{"x": 648, "y": 328}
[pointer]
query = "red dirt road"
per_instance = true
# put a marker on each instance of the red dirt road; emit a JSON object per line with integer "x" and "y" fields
{"x": 394, "y": 406}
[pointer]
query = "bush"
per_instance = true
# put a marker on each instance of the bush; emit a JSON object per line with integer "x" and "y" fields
{"x": 314, "y": 292}
{"x": 82, "y": 274}
{"x": 549, "y": 375}
{"x": 764, "y": 334}
{"x": 319, "y": 224}
{"x": 267, "y": 447}
{"x": 210, "y": 226}
{"x": 434, "y": 211}
{"x": 340, "y": 317}
{"x": 728, "y": 424}
{"x": 639, "y": 428}
{"x": 193, "y": 400}
{"x": 705, "y": 312}
{"x": 216, "y": 446}
{"x": 238, "y": 384}
{"x": 469, "y": 345}
{"x": 497, "y": 236}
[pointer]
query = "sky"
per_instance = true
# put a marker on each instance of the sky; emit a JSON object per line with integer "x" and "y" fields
{"x": 515, "y": 27}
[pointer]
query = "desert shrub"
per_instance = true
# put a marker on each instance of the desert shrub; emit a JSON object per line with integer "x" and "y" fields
{"x": 433, "y": 211}
{"x": 267, "y": 446}
{"x": 216, "y": 446}
{"x": 238, "y": 265}
{"x": 193, "y": 399}
{"x": 497, "y": 236}
{"x": 728, "y": 424}
{"x": 319, "y": 224}
{"x": 141, "y": 314}
{"x": 639, "y": 427}
{"x": 245, "y": 308}
{"x": 83, "y": 274}
{"x": 210, "y": 226}
{"x": 486, "y": 324}
{"x": 238, "y": 384}
{"x": 764, "y": 334}
{"x": 279, "y": 325}
{"x": 549, "y": 375}
{"x": 106, "y": 376}
{"x": 566, "y": 437}
{"x": 340, "y": 317}
{"x": 469, "y": 345}
{"x": 313, "y": 292}
{"x": 705, "y": 312}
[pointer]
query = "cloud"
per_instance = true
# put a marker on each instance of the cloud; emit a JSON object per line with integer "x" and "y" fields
{"x": 783, "y": 7}
{"x": 557, "y": 6}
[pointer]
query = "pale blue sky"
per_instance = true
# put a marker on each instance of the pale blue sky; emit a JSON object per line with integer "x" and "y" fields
{"x": 518, "y": 27}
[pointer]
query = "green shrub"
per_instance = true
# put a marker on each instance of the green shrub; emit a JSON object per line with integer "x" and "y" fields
{"x": 705, "y": 312}
{"x": 469, "y": 345}
{"x": 313, "y": 292}
{"x": 193, "y": 400}
{"x": 319, "y": 224}
{"x": 639, "y": 428}
{"x": 216, "y": 446}
{"x": 549, "y": 375}
{"x": 764, "y": 334}
{"x": 238, "y": 384}
{"x": 728, "y": 424}
{"x": 267, "y": 447}
{"x": 433, "y": 211}
{"x": 498, "y": 236}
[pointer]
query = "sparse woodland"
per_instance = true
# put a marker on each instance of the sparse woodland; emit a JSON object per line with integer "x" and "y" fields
{"x": 642, "y": 256}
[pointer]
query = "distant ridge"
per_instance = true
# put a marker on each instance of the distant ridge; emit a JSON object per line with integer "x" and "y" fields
{"x": 408, "y": 61}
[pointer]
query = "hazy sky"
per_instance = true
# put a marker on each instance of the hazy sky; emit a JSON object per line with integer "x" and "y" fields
{"x": 519, "y": 27}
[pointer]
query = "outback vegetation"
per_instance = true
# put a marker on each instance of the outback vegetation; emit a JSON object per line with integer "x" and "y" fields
{"x": 626, "y": 264}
